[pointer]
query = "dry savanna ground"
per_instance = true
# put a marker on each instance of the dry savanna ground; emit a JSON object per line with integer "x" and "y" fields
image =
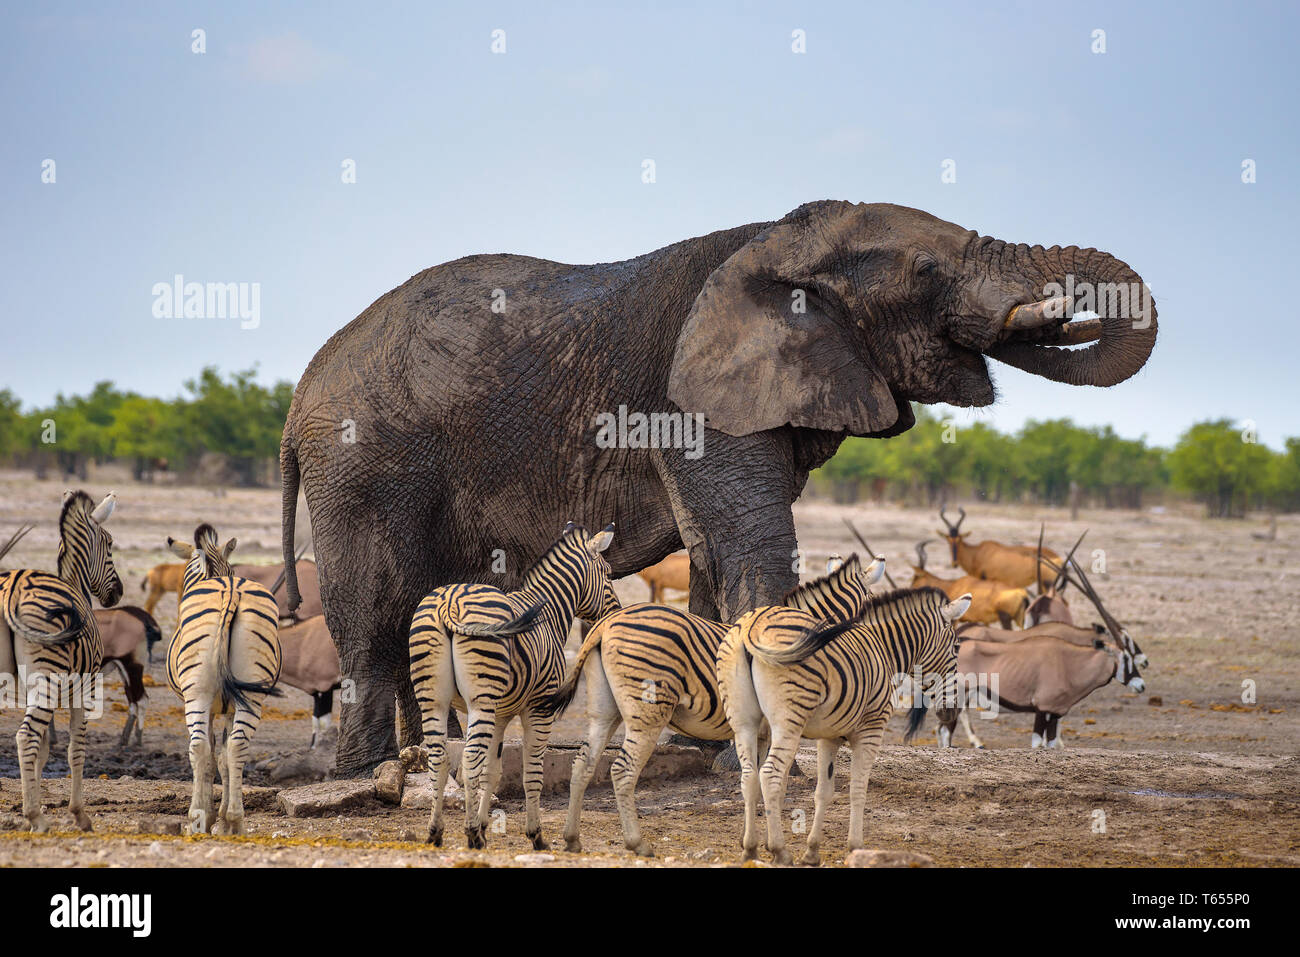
{"x": 1188, "y": 773}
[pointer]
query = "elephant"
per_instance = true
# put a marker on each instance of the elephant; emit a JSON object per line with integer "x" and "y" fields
{"x": 449, "y": 431}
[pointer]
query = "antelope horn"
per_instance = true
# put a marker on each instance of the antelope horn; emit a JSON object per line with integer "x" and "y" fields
{"x": 1036, "y": 315}
{"x": 13, "y": 539}
{"x": 1068, "y": 558}
{"x": 1091, "y": 592}
{"x": 1038, "y": 565}
{"x": 867, "y": 548}
{"x": 920, "y": 554}
{"x": 962, "y": 512}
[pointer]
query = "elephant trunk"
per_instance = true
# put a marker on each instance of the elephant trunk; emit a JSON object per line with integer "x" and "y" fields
{"x": 1091, "y": 281}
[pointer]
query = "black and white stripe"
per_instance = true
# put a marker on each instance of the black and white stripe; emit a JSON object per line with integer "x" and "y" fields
{"x": 498, "y": 655}
{"x": 831, "y": 682}
{"x": 49, "y": 635}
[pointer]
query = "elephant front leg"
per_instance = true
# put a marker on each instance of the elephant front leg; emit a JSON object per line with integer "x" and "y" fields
{"x": 732, "y": 508}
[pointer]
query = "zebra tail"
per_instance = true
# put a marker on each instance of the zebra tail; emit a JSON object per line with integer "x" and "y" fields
{"x": 558, "y": 701}
{"x": 915, "y": 718}
{"x": 48, "y": 638}
{"x": 504, "y": 629}
{"x": 812, "y": 640}
{"x": 234, "y": 689}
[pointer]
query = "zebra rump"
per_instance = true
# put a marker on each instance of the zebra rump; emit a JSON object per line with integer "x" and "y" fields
{"x": 811, "y": 641}
{"x": 232, "y": 688}
{"x": 47, "y": 638}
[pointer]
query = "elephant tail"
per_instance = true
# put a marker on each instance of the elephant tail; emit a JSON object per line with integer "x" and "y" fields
{"x": 289, "y": 479}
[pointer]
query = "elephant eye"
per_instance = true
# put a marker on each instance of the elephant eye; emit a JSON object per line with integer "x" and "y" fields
{"x": 926, "y": 267}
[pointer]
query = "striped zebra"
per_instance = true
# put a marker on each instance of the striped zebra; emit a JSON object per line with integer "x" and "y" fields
{"x": 657, "y": 667}
{"x": 832, "y": 682}
{"x": 500, "y": 654}
{"x": 223, "y": 661}
{"x": 50, "y": 642}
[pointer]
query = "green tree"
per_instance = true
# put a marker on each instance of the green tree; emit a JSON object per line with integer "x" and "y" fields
{"x": 1213, "y": 462}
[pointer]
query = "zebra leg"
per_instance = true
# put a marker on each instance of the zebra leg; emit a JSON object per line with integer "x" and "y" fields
{"x": 865, "y": 744}
{"x": 603, "y": 718}
{"x": 220, "y": 738}
{"x": 773, "y": 778}
{"x": 198, "y": 718}
{"x": 76, "y": 764}
{"x": 47, "y": 741}
{"x": 638, "y": 744}
{"x": 827, "y": 748}
{"x": 473, "y": 761}
{"x": 537, "y": 732}
{"x": 33, "y": 745}
{"x": 238, "y": 741}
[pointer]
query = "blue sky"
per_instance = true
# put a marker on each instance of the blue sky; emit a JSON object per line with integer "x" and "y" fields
{"x": 225, "y": 166}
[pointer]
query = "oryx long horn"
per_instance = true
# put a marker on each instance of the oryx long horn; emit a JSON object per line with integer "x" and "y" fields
{"x": 1086, "y": 587}
{"x": 870, "y": 554}
{"x": 920, "y": 554}
{"x": 1035, "y": 315}
{"x": 1038, "y": 565}
{"x": 13, "y": 539}
{"x": 1056, "y": 585}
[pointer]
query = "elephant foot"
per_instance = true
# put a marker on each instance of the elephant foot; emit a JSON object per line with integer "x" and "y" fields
{"x": 475, "y": 839}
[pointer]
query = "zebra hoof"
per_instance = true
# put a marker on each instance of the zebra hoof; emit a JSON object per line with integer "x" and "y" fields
{"x": 783, "y": 858}
{"x": 811, "y": 859}
{"x": 474, "y": 838}
{"x": 539, "y": 843}
{"x": 434, "y": 837}
{"x": 572, "y": 845}
{"x": 749, "y": 854}
{"x": 83, "y": 821}
{"x": 38, "y": 824}
{"x": 645, "y": 849}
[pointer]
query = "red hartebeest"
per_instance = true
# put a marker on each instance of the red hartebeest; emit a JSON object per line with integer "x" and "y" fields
{"x": 1014, "y": 565}
{"x": 990, "y": 600}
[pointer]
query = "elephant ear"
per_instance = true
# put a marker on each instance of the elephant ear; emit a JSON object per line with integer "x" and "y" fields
{"x": 750, "y": 361}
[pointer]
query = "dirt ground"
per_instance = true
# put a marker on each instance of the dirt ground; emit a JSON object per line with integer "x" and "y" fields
{"x": 1188, "y": 773}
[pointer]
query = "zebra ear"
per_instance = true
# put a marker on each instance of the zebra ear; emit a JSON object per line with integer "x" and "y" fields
{"x": 957, "y": 607}
{"x": 230, "y": 547}
{"x": 600, "y": 541}
{"x": 67, "y": 494}
{"x": 833, "y": 562}
{"x": 104, "y": 508}
{"x": 180, "y": 549}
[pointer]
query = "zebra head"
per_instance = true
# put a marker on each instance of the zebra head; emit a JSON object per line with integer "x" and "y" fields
{"x": 936, "y": 650}
{"x": 86, "y": 547}
{"x": 596, "y": 597}
{"x": 205, "y": 558}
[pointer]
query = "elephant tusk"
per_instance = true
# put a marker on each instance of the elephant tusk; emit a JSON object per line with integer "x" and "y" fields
{"x": 1075, "y": 333}
{"x": 1035, "y": 315}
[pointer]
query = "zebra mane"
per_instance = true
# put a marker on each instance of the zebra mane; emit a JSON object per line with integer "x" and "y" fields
{"x": 530, "y": 576}
{"x": 818, "y": 585}
{"x": 205, "y": 530}
{"x": 903, "y": 600}
{"x": 78, "y": 497}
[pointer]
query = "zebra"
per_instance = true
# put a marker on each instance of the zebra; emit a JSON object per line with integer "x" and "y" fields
{"x": 833, "y": 682}
{"x": 657, "y": 666}
{"x": 500, "y": 654}
{"x": 223, "y": 661}
{"x": 60, "y": 668}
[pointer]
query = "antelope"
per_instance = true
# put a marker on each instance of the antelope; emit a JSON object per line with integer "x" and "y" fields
{"x": 160, "y": 580}
{"x": 673, "y": 572}
{"x": 123, "y": 629}
{"x": 990, "y": 600}
{"x": 1042, "y": 674}
{"x": 1016, "y": 565}
{"x": 1049, "y": 605}
{"x": 310, "y": 663}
